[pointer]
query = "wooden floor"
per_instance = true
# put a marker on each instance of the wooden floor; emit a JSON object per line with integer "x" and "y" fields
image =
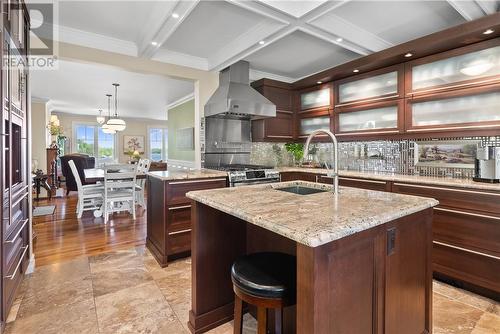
{"x": 62, "y": 237}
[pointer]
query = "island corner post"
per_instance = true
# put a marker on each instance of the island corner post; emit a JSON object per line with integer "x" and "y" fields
{"x": 375, "y": 281}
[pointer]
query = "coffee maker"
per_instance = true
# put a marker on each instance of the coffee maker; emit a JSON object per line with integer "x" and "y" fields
{"x": 488, "y": 164}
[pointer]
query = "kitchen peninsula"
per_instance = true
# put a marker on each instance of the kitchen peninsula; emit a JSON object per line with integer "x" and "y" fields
{"x": 363, "y": 257}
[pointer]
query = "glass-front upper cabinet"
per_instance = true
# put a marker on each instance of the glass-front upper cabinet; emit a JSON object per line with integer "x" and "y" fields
{"x": 317, "y": 97}
{"x": 476, "y": 110}
{"x": 369, "y": 119}
{"x": 310, "y": 124}
{"x": 478, "y": 64}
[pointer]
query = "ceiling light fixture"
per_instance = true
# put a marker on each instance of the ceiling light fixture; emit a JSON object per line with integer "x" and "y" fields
{"x": 319, "y": 82}
{"x": 175, "y": 15}
{"x": 340, "y": 39}
{"x": 105, "y": 127}
{"x": 115, "y": 122}
{"x": 356, "y": 71}
{"x": 262, "y": 42}
{"x": 489, "y": 31}
{"x": 153, "y": 43}
{"x": 408, "y": 55}
{"x": 100, "y": 119}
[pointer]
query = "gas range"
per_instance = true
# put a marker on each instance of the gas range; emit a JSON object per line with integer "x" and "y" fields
{"x": 240, "y": 175}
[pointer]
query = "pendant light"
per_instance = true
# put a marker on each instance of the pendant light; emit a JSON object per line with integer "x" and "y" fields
{"x": 115, "y": 122}
{"x": 105, "y": 126}
{"x": 101, "y": 119}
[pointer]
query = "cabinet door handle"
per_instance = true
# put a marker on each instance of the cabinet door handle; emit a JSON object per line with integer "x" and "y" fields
{"x": 358, "y": 180}
{"x": 196, "y": 181}
{"x": 172, "y": 208}
{"x": 465, "y": 250}
{"x": 468, "y": 213}
{"x": 17, "y": 233}
{"x": 180, "y": 232}
{"x": 446, "y": 189}
{"x": 11, "y": 276}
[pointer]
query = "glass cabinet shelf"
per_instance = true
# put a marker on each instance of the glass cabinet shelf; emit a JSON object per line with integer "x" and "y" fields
{"x": 308, "y": 125}
{"x": 453, "y": 70}
{"x": 465, "y": 109}
{"x": 370, "y": 119}
{"x": 315, "y": 99}
{"x": 378, "y": 85}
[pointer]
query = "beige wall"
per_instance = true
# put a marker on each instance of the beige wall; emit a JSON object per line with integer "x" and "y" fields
{"x": 179, "y": 117}
{"x": 135, "y": 127}
{"x": 40, "y": 137}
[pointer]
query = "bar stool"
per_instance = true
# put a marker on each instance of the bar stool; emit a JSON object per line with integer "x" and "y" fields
{"x": 266, "y": 280}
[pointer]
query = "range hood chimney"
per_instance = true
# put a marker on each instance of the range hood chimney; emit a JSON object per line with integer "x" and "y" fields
{"x": 235, "y": 98}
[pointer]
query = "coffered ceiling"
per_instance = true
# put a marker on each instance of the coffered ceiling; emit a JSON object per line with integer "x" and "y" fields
{"x": 285, "y": 40}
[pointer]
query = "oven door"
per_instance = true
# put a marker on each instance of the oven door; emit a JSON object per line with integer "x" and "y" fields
{"x": 253, "y": 182}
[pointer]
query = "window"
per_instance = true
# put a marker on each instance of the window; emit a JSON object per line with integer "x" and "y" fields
{"x": 89, "y": 139}
{"x": 158, "y": 144}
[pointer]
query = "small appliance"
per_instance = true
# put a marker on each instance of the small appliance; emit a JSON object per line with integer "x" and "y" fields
{"x": 487, "y": 164}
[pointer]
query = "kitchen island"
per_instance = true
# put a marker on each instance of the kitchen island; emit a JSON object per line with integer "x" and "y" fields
{"x": 363, "y": 257}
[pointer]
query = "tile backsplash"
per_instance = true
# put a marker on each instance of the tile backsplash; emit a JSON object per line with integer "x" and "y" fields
{"x": 394, "y": 156}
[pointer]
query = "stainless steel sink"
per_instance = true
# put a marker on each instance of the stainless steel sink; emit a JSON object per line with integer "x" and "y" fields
{"x": 300, "y": 190}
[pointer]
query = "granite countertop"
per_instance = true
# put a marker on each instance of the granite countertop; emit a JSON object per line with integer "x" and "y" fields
{"x": 185, "y": 174}
{"x": 315, "y": 219}
{"x": 381, "y": 176}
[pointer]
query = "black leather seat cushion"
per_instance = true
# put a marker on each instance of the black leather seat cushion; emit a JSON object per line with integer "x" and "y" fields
{"x": 266, "y": 275}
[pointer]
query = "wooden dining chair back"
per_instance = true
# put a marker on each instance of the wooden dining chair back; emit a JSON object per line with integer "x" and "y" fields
{"x": 90, "y": 196}
{"x": 119, "y": 189}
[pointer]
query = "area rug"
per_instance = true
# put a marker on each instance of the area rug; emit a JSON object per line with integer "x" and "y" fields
{"x": 44, "y": 210}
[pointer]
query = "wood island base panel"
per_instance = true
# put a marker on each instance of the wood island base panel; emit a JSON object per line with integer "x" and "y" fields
{"x": 375, "y": 280}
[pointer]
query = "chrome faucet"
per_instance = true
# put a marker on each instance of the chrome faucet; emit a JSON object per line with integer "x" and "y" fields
{"x": 335, "y": 158}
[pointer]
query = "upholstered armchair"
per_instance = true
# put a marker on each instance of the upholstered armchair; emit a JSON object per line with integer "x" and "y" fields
{"x": 82, "y": 161}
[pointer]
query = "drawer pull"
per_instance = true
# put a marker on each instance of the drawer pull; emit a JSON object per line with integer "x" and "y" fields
{"x": 20, "y": 200}
{"x": 276, "y": 136}
{"x": 197, "y": 181}
{"x": 180, "y": 232}
{"x": 172, "y": 208}
{"x": 11, "y": 277}
{"x": 358, "y": 180}
{"x": 447, "y": 189}
{"x": 468, "y": 213}
{"x": 466, "y": 250}
{"x": 18, "y": 232}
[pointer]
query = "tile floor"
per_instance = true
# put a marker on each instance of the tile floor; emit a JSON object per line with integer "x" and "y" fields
{"x": 128, "y": 292}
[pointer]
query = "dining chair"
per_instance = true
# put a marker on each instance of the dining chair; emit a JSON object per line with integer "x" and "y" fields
{"x": 142, "y": 167}
{"x": 90, "y": 196}
{"x": 119, "y": 189}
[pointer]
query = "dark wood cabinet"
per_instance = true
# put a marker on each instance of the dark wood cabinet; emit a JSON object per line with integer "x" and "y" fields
{"x": 15, "y": 182}
{"x": 169, "y": 216}
{"x": 281, "y": 127}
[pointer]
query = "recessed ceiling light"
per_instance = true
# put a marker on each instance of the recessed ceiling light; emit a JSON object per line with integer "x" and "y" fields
{"x": 339, "y": 39}
{"x": 262, "y": 42}
{"x": 175, "y": 15}
{"x": 489, "y": 31}
{"x": 154, "y": 43}
{"x": 319, "y": 82}
{"x": 356, "y": 71}
{"x": 408, "y": 55}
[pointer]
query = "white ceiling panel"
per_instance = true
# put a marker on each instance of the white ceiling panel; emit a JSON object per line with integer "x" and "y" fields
{"x": 295, "y": 8}
{"x": 80, "y": 88}
{"x": 397, "y": 21}
{"x": 298, "y": 55}
{"x": 210, "y": 27}
{"x": 116, "y": 19}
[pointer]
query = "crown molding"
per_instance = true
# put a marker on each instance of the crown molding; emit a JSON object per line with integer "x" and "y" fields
{"x": 36, "y": 99}
{"x": 91, "y": 40}
{"x": 180, "y": 101}
{"x": 256, "y": 75}
{"x": 182, "y": 59}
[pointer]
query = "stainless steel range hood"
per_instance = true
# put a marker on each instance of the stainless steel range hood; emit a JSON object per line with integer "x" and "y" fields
{"x": 235, "y": 98}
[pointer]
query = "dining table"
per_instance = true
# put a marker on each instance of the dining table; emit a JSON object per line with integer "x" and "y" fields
{"x": 93, "y": 175}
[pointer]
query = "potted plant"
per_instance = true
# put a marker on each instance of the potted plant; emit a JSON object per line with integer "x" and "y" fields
{"x": 297, "y": 151}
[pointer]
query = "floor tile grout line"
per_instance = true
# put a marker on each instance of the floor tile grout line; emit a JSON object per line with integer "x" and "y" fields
{"x": 458, "y": 300}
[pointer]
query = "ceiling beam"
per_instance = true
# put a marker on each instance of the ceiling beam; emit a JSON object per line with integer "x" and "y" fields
{"x": 167, "y": 28}
{"x": 469, "y": 9}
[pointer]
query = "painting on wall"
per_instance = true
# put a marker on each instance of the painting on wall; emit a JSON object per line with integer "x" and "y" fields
{"x": 454, "y": 154}
{"x": 185, "y": 139}
{"x": 133, "y": 143}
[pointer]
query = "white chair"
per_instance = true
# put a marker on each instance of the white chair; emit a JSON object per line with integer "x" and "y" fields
{"x": 142, "y": 167}
{"x": 90, "y": 196}
{"x": 119, "y": 189}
